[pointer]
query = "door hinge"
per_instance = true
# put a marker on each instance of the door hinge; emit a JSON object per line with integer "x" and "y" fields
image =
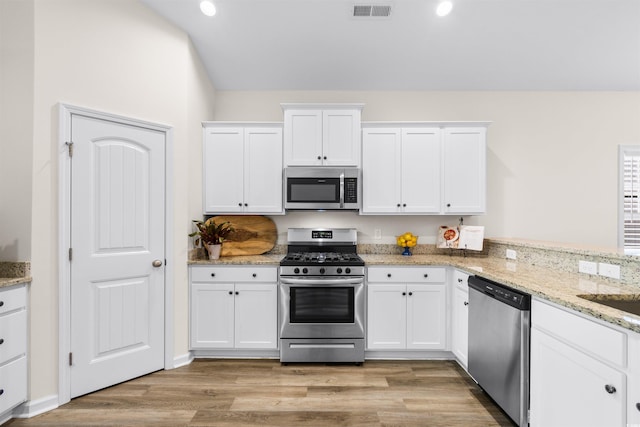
{"x": 70, "y": 359}
{"x": 70, "y": 254}
{"x": 70, "y": 146}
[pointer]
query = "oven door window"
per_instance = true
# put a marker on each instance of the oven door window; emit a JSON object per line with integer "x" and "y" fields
{"x": 308, "y": 190}
{"x": 321, "y": 305}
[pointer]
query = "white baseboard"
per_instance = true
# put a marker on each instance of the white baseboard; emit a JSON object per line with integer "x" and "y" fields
{"x": 31, "y": 408}
{"x": 183, "y": 360}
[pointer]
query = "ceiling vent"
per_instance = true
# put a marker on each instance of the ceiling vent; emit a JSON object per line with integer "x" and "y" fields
{"x": 371, "y": 11}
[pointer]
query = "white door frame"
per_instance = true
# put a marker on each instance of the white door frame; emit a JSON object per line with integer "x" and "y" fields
{"x": 66, "y": 111}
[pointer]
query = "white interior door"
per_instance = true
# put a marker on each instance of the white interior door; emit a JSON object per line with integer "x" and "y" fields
{"x": 118, "y": 240}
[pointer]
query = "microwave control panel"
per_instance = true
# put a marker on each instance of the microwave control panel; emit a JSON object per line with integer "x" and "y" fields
{"x": 351, "y": 190}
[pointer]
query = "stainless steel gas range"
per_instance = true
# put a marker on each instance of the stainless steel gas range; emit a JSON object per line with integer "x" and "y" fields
{"x": 322, "y": 297}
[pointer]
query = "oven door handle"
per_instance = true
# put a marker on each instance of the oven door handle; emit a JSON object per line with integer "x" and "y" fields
{"x": 322, "y": 281}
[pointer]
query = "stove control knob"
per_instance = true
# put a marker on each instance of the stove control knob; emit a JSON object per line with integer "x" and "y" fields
{"x": 348, "y": 270}
{"x": 305, "y": 271}
{"x": 339, "y": 270}
{"x": 322, "y": 270}
{"x": 296, "y": 270}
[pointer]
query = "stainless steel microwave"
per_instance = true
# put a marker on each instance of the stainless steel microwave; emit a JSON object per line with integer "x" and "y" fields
{"x": 322, "y": 188}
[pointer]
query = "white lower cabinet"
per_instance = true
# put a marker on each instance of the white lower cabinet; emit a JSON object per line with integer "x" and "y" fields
{"x": 460, "y": 317}
{"x": 233, "y": 308}
{"x": 406, "y": 308}
{"x": 578, "y": 370}
{"x": 13, "y": 349}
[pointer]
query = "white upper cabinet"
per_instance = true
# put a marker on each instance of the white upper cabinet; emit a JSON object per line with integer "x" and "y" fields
{"x": 242, "y": 170}
{"x": 423, "y": 168}
{"x": 401, "y": 170}
{"x": 322, "y": 134}
{"x": 464, "y": 171}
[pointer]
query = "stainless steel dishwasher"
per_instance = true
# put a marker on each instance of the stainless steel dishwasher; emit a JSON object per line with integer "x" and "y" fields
{"x": 499, "y": 329}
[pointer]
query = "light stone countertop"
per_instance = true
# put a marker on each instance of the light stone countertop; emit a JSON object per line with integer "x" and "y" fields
{"x": 14, "y": 273}
{"x": 548, "y": 284}
{"x": 5, "y": 282}
{"x": 268, "y": 259}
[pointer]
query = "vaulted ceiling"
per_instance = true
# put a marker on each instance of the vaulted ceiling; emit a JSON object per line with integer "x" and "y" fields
{"x": 481, "y": 45}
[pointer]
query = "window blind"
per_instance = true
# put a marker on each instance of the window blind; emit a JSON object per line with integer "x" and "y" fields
{"x": 631, "y": 201}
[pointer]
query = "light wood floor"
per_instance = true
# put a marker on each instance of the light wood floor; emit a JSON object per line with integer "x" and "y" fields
{"x": 222, "y": 393}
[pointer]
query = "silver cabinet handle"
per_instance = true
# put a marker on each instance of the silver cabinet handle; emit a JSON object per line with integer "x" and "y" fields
{"x": 157, "y": 263}
{"x": 610, "y": 389}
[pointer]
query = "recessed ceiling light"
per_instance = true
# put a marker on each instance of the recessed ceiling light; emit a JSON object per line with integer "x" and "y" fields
{"x": 208, "y": 8}
{"x": 444, "y": 8}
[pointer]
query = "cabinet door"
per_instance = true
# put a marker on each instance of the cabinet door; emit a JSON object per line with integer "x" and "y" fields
{"x": 420, "y": 170}
{"x": 256, "y": 315}
{"x": 386, "y": 318}
{"x": 460, "y": 320}
{"x": 303, "y": 137}
{"x": 263, "y": 170}
{"x": 464, "y": 171}
{"x": 341, "y": 137}
{"x": 223, "y": 170}
{"x": 568, "y": 387}
{"x": 381, "y": 165}
{"x": 212, "y": 315}
{"x": 426, "y": 317}
{"x": 13, "y": 383}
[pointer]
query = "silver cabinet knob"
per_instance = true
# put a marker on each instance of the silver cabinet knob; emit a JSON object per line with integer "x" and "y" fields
{"x": 610, "y": 389}
{"x": 157, "y": 263}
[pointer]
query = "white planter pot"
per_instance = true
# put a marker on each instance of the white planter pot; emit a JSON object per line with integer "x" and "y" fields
{"x": 214, "y": 251}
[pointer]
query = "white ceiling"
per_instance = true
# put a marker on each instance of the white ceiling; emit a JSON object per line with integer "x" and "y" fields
{"x": 481, "y": 45}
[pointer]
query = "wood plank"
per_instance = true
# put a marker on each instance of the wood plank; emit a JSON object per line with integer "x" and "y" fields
{"x": 253, "y": 235}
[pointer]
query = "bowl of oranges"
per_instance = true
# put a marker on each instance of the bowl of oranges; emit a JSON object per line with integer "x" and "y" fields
{"x": 407, "y": 240}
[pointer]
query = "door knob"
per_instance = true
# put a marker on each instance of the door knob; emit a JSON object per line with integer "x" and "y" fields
{"x": 610, "y": 389}
{"x": 157, "y": 263}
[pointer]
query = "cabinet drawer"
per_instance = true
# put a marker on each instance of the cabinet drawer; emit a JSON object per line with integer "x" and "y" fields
{"x": 234, "y": 274}
{"x": 406, "y": 274}
{"x": 13, "y": 335}
{"x": 12, "y": 299}
{"x": 13, "y": 383}
{"x": 603, "y": 342}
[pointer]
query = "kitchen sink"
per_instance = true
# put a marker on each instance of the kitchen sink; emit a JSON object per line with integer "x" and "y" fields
{"x": 624, "y": 302}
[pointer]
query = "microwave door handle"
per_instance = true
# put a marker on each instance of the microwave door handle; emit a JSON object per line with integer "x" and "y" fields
{"x": 342, "y": 190}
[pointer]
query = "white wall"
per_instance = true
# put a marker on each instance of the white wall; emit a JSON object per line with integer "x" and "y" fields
{"x": 552, "y": 157}
{"x": 119, "y": 57}
{"x": 16, "y": 128}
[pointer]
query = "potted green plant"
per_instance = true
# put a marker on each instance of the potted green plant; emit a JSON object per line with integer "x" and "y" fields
{"x": 212, "y": 235}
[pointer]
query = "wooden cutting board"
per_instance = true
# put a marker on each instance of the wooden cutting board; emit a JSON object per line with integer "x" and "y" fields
{"x": 253, "y": 235}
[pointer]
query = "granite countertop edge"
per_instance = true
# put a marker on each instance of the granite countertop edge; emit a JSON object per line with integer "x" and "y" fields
{"x": 559, "y": 287}
{"x": 5, "y": 282}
